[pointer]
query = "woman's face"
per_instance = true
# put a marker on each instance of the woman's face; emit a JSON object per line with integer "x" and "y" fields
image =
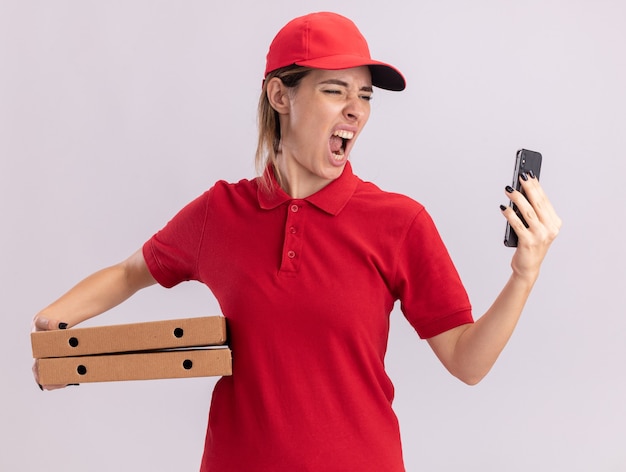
{"x": 320, "y": 122}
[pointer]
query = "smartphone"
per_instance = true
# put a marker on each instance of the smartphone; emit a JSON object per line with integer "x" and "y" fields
{"x": 525, "y": 161}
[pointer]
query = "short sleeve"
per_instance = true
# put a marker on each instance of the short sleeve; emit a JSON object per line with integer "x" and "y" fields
{"x": 172, "y": 253}
{"x": 432, "y": 296}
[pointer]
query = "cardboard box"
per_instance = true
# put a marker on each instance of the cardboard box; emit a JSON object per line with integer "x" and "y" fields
{"x": 182, "y": 333}
{"x": 183, "y": 363}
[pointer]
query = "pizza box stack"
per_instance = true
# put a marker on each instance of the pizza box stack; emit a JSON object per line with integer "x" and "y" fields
{"x": 182, "y": 348}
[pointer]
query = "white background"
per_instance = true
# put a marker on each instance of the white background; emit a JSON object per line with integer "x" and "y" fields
{"x": 115, "y": 114}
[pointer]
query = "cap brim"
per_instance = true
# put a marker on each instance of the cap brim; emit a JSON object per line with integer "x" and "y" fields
{"x": 384, "y": 76}
{"x": 387, "y": 77}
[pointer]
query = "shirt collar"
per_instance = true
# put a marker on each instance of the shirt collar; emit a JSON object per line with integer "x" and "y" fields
{"x": 331, "y": 199}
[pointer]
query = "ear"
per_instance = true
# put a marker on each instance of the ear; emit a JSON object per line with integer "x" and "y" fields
{"x": 278, "y": 96}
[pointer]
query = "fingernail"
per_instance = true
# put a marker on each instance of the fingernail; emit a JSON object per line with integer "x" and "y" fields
{"x": 531, "y": 173}
{"x": 509, "y": 189}
{"x": 502, "y": 207}
{"x": 62, "y": 325}
{"x": 40, "y": 387}
{"x": 524, "y": 176}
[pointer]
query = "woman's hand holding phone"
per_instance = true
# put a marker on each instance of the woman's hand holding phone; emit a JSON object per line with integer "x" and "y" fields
{"x": 535, "y": 222}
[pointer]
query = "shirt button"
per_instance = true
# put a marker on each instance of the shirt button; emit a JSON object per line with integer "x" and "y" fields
{"x": 292, "y": 229}
{"x": 291, "y": 254}
{"x": 294, "y": 208}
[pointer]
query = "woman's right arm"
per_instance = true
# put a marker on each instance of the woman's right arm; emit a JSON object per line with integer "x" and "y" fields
{"x": 96, "y": 294}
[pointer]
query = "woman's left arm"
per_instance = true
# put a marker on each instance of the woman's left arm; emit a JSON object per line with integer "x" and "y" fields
{"x": 469, "y": 351}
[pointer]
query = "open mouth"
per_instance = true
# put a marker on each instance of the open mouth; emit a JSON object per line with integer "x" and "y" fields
{"x": 338, "y": 143}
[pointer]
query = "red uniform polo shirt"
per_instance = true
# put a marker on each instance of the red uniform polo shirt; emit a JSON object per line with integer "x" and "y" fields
{"x": 307, "y": 286}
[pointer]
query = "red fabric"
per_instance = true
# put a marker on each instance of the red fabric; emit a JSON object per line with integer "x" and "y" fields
{"x": 307, "y": 287}
{"x": 326, "y": 40}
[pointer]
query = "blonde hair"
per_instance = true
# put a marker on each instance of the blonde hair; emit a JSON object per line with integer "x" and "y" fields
{"x": 269, "y": 124}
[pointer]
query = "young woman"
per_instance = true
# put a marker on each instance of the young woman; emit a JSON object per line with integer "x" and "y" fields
{"x": 307, "y": 261}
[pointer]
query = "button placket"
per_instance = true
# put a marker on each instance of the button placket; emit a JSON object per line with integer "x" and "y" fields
{"x": 292, "y": 246}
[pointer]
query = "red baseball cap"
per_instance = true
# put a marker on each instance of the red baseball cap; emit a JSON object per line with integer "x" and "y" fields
{"x": 328, "y": 41}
